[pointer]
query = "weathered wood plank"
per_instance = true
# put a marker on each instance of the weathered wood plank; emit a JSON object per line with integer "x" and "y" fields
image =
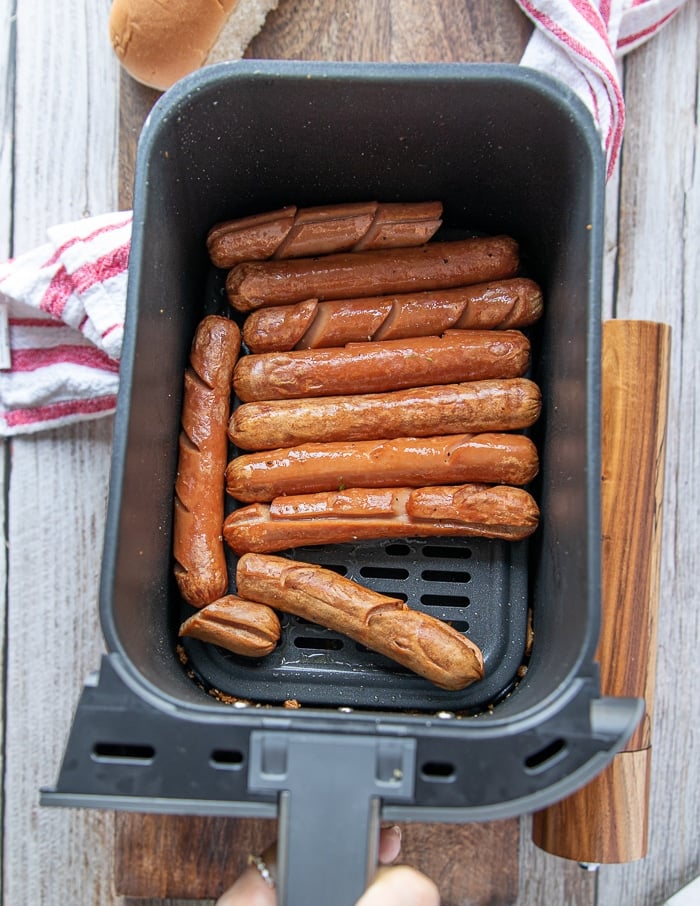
{"x": 65, "y": 148}
{"x": 7, "y": 113}
{"x": 547, "y": 879}
{"x": 659, "y": 279}
{"x": 7, "y": 80}
{"x": 64, "y": 167}
{"x": 3, "y": 623}
{"x": 57, "y": 498}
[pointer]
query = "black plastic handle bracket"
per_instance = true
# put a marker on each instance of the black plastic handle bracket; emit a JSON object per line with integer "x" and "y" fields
{"x": 330, "y": 791}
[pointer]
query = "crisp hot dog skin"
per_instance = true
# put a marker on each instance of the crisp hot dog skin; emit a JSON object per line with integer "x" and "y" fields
{"x": 494, "y": 458}
{"x": 423, "y": 644}
{"x": 243, "y": 627}
{"x": 368, "y": 514}
{"x": 435, "y": 265}
{"x": 293, "y": 232}
{"x": 474, "y": 406}
{"x": 499, "y": 305}
{"x": 198, "y": 549}
{"x": 377, "y": 367}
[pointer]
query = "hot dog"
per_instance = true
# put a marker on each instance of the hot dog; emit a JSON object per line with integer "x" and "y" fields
{"x": 423, "y": 644}
{"x": 311, "y": 324}
{"x": 475, "y": 407}
{"x": 435, "y": 265}
{"x": 198, "y": 549}
{"x": 362, "y": 514}
{"x": 244, "y": 627}
{"x": 293, "y": 232}
{"x": 402, "y": 461}
{"x": 376, "y": 367}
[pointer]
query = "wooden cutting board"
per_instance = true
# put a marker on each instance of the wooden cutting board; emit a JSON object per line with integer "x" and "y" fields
{"x": 160, "y": 856}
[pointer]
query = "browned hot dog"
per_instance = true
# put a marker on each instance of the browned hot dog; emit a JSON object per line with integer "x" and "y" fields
{"x": 423, "y": 644}
{"x": 293, "y": 232}
{"x": 367, "y": 514}
{"x": 244, "y": 627}
{"x": 402, "y": 461}
{"x": 311, "y": 324}
{"x": 435, "y": 265}
{"x": 475, "y": 407}
{"x": 198, "y": 548}
{"x": 376, "y": 367}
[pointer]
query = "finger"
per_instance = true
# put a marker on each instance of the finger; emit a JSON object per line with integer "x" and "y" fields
{"x": 251, "y": 888}
{"x": 389, "y": 844}
{"x": 248, "y": 890}
{"x": 400, "y": 885}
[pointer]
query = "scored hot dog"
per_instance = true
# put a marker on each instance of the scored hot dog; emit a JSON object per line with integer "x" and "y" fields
{"x": 244, "y": 627}
{"x": 293, "y": 232}
{"x": 375, "y": 367}
{"x": 435, "y": 265}
{"x": 198, "y": 549}
{"x": 367, "y": 514}
{"x": 473, "y": 407}
{"x": 423, "y": 644}
{"x": 311, "y": 324}
{"x": 403, "y": 461}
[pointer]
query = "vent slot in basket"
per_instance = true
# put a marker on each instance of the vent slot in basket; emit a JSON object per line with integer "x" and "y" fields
{"x": 317, "y": 667}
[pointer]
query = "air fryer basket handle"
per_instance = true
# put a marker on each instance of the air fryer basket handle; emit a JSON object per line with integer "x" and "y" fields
{"x": 326, "y": 846}
{"x": 330, "y": 791}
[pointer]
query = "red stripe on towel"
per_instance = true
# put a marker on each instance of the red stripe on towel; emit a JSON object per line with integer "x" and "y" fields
{"x": 87, "y": 356}
{"x": 57, "y": 411}
{"x": 63, "y": 285}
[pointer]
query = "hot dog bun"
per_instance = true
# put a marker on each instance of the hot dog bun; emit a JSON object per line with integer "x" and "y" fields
{"x": 158, "y": 43}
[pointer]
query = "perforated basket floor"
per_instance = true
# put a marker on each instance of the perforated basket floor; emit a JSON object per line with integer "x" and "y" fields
{"x": 479, "y": 586}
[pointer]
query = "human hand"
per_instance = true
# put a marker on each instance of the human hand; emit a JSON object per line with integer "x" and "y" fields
{"x": 393, "y": 885}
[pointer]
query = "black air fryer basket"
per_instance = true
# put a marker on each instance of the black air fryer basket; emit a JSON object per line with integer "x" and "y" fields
{"x": 199, "y": 730}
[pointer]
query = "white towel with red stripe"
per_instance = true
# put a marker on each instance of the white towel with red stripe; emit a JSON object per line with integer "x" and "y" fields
{"x": 64, "y": 307}
{"x": 65, "y": 301}
{"x": 580, "y": 41}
